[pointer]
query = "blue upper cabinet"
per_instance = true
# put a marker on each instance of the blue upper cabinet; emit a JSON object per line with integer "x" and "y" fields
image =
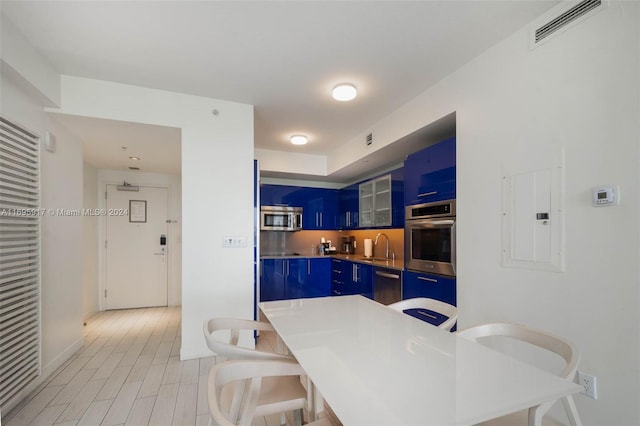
{"x": 374, "y": 203}
{"x": 319, "y": 205}
{"x": 319, "y": 208}
{"x": 279, "y": 195}
{"x": 348, "y": 207}
{"x": 397, "y": 198}
{"x": 430, "y": 174}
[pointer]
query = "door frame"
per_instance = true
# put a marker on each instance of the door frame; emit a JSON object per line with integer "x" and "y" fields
{"x": 173, "y": 257}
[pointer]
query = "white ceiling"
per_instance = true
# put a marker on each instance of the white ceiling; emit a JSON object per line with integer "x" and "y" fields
{"x": 283, "y": 57}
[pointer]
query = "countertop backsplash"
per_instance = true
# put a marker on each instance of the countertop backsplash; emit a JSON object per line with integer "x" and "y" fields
{"x": 275, "y": 243}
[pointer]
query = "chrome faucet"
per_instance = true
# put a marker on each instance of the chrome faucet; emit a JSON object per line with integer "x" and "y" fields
{"x": 386, "y": 255}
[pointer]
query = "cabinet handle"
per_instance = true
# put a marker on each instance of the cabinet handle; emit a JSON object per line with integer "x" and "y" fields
{"x": 431, "y": 280}
{"x": 426, "y": 194}
{"x": 320, "y": 219}
{"x": 308, "y": 266}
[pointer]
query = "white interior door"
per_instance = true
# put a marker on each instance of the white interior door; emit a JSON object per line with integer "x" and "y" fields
{"x": 136, "y": 261}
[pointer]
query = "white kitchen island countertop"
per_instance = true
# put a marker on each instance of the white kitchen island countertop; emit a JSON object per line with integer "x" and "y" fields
{"x": 377, "y": 366}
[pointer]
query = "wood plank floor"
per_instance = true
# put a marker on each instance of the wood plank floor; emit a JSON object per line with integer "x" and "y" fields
{"x": 128, "y": 373}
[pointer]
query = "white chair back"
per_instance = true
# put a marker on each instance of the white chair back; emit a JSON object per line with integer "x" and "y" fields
{"x": 213, "y": 330}
{"x": 542, "y": 340}
{"x": 235, "y": 390}
{"x": 450, "y": 311}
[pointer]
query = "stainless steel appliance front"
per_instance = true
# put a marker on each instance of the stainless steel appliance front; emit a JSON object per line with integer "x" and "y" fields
{"x": 430, "y": 237}
{"x": 280, "y": 218}
{"x": 387, "y": 286}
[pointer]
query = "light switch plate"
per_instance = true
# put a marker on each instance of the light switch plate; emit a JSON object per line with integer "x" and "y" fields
{"x": 234, "y": 242}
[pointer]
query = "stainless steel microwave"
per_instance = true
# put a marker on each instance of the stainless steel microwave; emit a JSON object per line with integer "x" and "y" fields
{"x": 430, "y": 238}
{"x": 280, "y": 218}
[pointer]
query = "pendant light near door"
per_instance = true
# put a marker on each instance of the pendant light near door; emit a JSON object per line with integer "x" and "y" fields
{"x": 344, "y": 92}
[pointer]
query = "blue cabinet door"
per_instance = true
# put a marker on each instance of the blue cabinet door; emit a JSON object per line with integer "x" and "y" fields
{"x": 272, "y": 280}
{"x": 318, "y": 278}
{"x": 430, "y": 174}
{"x": 358, "y": 279}
{"x": 348, "y": 207}
{"x": 279, "y": 195}
{"x": 295, "y": 278}
{"x": 397, "y": 198}
{"x": 432, "y": 286}
{"x": 363, "y": 282}
{"x": 319, "y": 208}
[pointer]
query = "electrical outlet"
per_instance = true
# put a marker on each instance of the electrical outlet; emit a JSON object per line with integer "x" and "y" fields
{"x": 589, "y": 383}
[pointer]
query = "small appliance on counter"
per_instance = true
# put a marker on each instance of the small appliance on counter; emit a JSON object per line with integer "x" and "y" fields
{"x": 325, "y": 247}
{"x": 348, "y": 245}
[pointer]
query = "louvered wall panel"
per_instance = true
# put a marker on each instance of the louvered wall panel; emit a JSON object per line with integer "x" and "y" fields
{"x": 19, "y": 260}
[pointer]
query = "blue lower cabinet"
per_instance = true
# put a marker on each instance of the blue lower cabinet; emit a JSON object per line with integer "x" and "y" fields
{"x": 338, "y": 276}
{"x": 349, "y": 278}
{"x": 272, "y": 280}
{"x": 436, "y": 287}
{"x": 318, "y": 278}
{"x": 362, "y": 280}
{"x": 298, "y": 278}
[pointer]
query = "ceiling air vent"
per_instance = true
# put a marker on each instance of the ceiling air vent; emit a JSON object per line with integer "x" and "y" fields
{"x": 369, "y": 138}
{"x": 567, "y": 17}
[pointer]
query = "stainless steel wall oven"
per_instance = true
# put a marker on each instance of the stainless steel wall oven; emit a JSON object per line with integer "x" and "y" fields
{"x": 430, "y": 237}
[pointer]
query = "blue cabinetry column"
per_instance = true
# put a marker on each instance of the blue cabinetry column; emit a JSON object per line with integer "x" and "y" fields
{"x": 430, "y": 174}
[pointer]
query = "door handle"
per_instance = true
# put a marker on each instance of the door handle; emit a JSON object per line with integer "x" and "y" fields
{"x": 432, "y": 280}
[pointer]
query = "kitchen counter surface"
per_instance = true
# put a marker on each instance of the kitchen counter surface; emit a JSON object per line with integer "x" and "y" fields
{"x": 397, "y": 264}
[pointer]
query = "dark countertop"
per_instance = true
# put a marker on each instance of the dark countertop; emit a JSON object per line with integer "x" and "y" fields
{"x": 397, "y": 264}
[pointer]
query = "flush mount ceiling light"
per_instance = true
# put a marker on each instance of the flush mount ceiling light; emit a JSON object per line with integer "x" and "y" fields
{"x": 134, "y": 158}
{"x": 344, "y": 92}
{"x": 299, "y": 139}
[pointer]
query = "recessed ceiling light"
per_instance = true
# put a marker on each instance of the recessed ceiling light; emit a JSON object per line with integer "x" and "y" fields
{"x": 299, "y": 139}
{"x": 134, "y": 158}
{"x": 344, "y": 92}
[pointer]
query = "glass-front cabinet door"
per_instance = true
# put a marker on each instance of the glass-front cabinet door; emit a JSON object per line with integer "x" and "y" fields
{"x": 375, "y": 202}
{"x": 366, "y": 204}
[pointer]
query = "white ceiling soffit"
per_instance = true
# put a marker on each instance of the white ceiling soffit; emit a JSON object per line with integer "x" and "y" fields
{"x": 158, "y": 147}
{"x": 283, "y": 57}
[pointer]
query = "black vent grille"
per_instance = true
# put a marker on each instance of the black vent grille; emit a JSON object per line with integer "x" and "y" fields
{"x": 369, "y": 138}
{"x": 567, "y": 17}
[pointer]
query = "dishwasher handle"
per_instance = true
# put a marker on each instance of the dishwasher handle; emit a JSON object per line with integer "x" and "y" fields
{"x": 388, "y": 275}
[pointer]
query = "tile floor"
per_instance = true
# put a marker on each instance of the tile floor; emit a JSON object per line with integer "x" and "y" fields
{"x": 128, "y": 373}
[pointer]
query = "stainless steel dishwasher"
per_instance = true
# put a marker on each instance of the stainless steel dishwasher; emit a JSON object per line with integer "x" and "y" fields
{"x": 387, "y": 285}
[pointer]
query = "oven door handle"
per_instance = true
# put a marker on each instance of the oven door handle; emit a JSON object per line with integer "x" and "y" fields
{"x": 453, "y": 249}
{"x": 442, "y": 222}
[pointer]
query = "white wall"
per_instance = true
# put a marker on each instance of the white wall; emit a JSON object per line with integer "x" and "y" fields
{"x": 90, "y": 246}
{"x": 61, "y": 243}
{"x": 580, "y": 91}
{"x": 174, "y": 235}
{"x": 217, "y": 190}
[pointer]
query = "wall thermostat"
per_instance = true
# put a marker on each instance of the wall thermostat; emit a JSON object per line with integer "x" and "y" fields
{"x": 608, "y": 195}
